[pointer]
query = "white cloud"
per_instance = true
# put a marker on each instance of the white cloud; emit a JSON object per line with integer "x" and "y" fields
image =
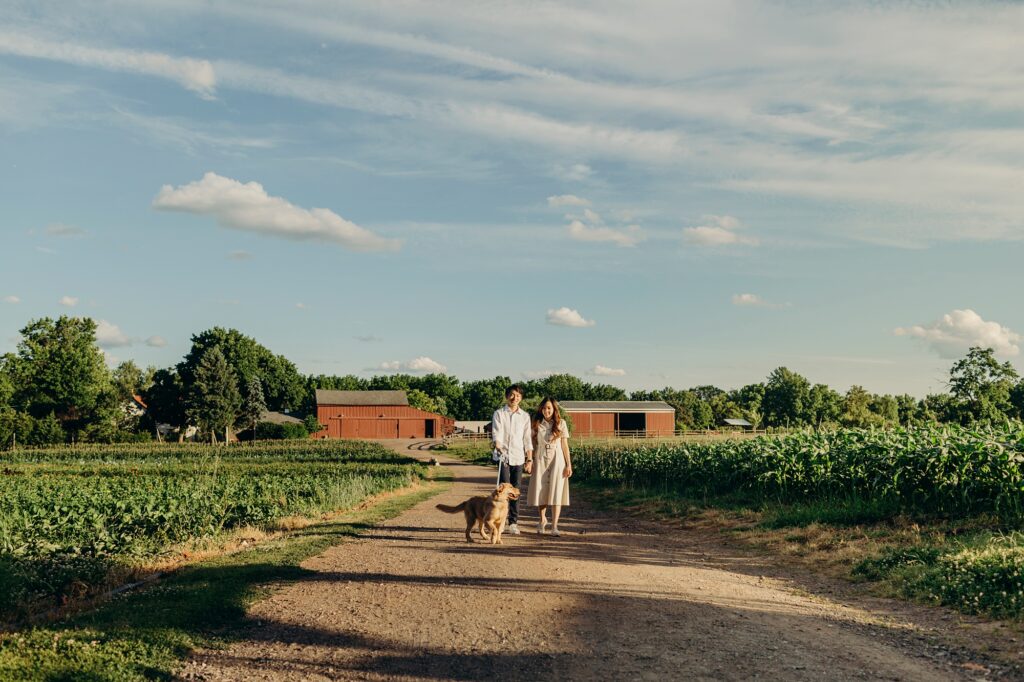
{"x": 62, "y": 230}
{"x": 719, "y": 231}
{"x": 956, "y": 332}
{"x": 156, "y": 342}
{"x": 68, "y": 301}
{"x": 755, "y": 301}
{"x": 576, "y": 172}
{"x": 567, "y": 200}
{"x": 602, "y": 371}
{"x": 540, "y": 373}
{"x": 109, "y": 335}
{"x": 249, "y": 208}
{"x": 590, "y": 227}
{"x": 240, "y": 255}
{"x": 301, "y": 306}
{"x": 196, "y": 75}
{"x": 12, "y": 299}
{"x": 416, "y": 365}
{"x": 568, "y": 317}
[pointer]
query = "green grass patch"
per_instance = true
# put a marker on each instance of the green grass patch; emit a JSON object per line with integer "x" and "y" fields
{"x": 146, "y": 635}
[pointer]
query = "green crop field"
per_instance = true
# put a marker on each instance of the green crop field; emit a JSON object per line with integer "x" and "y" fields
{"x": 76, "y": 520}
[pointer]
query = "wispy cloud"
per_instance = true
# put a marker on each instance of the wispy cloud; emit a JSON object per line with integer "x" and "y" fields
{"x": 196, "y": 75}
{"x": 590, "y": 227}
{"x": 109, "y": 335}
{"x": 248, "y": 207}
{"x": 11, "y": 299}
{"x": 602, "y": 371}
{"x": 755, "y": 301}
{"x": 421, "y": 364}
{"x": 955, "y": 332}
{"x": 68, "y": 301}
{"x": 240, "y": 255}
{"x": 156, "y": 342}
{"x": 717, "y": 231}
{"x": 567, "y": 200}
{"x": 568, "y": 317}
{"x": 62, "y": 230}
{"x": 368, "y": 338}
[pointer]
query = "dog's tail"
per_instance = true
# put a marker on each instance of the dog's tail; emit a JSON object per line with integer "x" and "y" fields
{"x": 450, "y": 509}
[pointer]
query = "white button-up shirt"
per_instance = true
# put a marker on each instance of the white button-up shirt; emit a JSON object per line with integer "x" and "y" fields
{"x": 512, "y": 434}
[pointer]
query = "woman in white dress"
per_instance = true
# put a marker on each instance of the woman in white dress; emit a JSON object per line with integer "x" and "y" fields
{"x": 552, "y": 467}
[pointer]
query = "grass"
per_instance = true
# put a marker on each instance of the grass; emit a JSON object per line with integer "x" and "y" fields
{"x": 146, "y": 635}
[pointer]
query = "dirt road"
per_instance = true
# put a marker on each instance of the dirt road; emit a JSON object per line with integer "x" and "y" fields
{"x": 609, "y": 600}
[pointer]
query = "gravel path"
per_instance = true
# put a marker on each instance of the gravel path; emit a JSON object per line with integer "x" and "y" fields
{"x": 611, "y": 599}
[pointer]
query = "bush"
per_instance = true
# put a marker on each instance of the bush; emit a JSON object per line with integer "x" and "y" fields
{"x": 269, "y": 431}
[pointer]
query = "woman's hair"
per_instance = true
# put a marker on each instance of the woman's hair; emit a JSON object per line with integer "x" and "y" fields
{"x": 538, "y": 416}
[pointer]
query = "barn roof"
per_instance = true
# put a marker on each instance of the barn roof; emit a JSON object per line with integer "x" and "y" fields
{"x": 278, "y": 418}
{"x": 616, "y": 406}
{"x": 324, "y": 397}
{"x": 737, "y": 422}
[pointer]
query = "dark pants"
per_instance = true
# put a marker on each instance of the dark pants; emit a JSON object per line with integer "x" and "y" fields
{"x": 513, "y": 475}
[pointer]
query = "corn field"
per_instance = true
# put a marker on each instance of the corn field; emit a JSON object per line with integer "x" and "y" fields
{"x": 945, "y": 470}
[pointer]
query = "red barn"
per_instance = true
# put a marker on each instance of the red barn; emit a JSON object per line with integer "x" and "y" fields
{"x": 625, "y": 417}
{"x": 376, "y": 414}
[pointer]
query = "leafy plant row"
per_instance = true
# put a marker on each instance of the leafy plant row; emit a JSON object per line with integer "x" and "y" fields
{"x": 69, "y": 517}
{"x": 947, "y": 470}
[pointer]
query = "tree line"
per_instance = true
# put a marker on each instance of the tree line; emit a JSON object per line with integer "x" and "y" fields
{"x": 56, "y": 387}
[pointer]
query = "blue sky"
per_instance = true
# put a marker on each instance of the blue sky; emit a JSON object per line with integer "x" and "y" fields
{"x": 644, "y": 194}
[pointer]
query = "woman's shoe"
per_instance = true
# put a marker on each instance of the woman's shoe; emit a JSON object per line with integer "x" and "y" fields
{"x": 554, "y": 531}
{"x": 542, "y": 528}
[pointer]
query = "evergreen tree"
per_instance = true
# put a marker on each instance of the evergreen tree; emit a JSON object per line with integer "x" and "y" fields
{"x": 214, "y": 401}
{"x": 255, "y": 404}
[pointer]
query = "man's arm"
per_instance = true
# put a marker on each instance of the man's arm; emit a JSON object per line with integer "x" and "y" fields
{"x": 498, "y": 431}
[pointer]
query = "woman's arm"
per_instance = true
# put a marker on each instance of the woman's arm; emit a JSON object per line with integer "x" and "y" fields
{"x": 567, "y": 472}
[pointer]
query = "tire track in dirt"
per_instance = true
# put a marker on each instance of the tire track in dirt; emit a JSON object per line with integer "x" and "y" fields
{"x": 610, "y": 599}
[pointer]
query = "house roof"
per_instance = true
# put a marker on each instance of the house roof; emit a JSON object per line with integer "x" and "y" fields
{"x": 278, "y": 418}
{"x": 737, "y": 422}
{"x": 616, "y": 406}
{"x": 324, "y": 397}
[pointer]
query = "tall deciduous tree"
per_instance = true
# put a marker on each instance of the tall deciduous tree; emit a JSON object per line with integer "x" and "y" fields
{"x": 786, "y": 396}
{"x": 166, "y": 400}
{"x": 59, "y": 369}
{"x": 213, "y": 400}
{"x": 981, "y": 386}
{"x": 283, "y": 386}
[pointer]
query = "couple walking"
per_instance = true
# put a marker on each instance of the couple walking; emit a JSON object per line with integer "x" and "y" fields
{"x": 537, "y": 446}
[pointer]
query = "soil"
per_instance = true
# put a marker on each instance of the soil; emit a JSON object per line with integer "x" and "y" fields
{"x": 613, "y": 598}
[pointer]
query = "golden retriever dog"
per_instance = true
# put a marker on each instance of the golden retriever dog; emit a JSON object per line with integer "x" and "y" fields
{"x": 486, "y": 511}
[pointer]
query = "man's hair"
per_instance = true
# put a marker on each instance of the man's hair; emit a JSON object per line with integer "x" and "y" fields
{"x": 514, "y": 388}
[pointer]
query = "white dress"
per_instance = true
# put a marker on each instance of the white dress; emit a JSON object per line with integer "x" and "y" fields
{"x": 547, "y": 484}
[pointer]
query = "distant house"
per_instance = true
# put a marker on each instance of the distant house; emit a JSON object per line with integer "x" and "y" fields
{"x": 376, "y": 414}
{"x": 738, "y": 424}
{"x": 278, "y": 418}
{"x": 611, "y": 417}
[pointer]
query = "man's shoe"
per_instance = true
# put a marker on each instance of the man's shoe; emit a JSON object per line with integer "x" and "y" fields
{"x": 513, "y": 529}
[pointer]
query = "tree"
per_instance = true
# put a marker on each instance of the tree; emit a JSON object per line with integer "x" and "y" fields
{"x": 283, "y": 386}
{"x": 255, "y": 405}
{"x": 825, "y": 405}
{"x": 59, "y": 369}
{"x": 166, "y": 401}
{"x": 483, "y": 397}
{"x": 213, "y": 401}
{"x": 886, "y": 407}
{"x": 786, "y": 396}
{"x": 857, "y": 409}
{"x": 749, "y": 398}
{"x": 421, "y": 401}
{"x": 981, "y": 386}
{"x": 909, "y": 409}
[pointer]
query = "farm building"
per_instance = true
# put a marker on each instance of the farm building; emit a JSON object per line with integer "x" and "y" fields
{"x": 376, "y": 414}
{"x": 611, "y": 417}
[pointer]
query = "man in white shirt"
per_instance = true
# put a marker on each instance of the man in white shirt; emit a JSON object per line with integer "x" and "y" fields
{"x": 513, "y": 446}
